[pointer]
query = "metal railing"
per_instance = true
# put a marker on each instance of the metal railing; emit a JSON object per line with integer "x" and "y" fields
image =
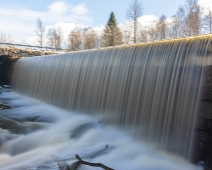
{"x": 31, "y": 46}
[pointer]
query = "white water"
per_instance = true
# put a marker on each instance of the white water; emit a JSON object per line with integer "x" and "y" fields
{"x": 44, "y": 148}
{"x": 150, "y": 89}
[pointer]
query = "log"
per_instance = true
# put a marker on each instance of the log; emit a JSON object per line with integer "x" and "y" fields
{"x": 74, "y": 165}
{"x": 93, "y": 164}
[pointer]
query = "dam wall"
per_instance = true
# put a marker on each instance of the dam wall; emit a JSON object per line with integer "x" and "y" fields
{"x": 150, "y": 90}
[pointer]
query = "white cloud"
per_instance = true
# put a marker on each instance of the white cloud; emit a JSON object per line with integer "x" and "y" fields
{"x": 58, "y": 6}
{"x": 66, "y": 28}
{"x": 147, "y": 20}
{"x": 99, "y": 29}
{"x": 80, "y": 9}
{"x": 21, "y": 22}
{"x": 32, "y": 40}
{"x": 206, "y": 4}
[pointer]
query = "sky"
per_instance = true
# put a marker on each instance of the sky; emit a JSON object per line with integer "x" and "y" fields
{"x": 18, "y": 17}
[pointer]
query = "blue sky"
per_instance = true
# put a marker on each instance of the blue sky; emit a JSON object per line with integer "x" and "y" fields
{"x": 18, "y": 17}
{"x": 99, "y": 10}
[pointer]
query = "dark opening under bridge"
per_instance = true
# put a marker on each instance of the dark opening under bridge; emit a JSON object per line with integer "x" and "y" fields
{"x": 10, "y": 53}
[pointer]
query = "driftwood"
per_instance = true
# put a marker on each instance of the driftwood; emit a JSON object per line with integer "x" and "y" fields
{"x": 74, "y": 166}
{"x": 65, "y": 166}
{"x": 92, "y": 164}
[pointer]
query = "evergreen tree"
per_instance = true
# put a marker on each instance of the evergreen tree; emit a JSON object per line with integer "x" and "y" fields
{"x": 112, "y": 20}
{"x": 112, "y": 34}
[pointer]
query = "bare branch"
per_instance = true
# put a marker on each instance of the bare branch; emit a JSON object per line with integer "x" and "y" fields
{"x": 93, "y": 164}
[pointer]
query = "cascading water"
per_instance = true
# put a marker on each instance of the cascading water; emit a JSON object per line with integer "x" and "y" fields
{"x": 150, "y": 89}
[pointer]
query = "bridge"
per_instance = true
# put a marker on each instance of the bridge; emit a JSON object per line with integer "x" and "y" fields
{"x": 16, "y": 51}
{"x": 10, "y": 53}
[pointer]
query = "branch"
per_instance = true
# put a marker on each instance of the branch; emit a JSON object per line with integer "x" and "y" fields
{"x": 92, "y": 164}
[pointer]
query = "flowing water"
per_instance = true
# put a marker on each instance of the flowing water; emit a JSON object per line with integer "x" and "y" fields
{"x": 45, "y": 136}
{"x": 150, "y": 91}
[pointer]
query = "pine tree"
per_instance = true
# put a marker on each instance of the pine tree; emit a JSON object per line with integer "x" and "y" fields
{"x": 112, "y": 20}
{"x": 112, "y": 34}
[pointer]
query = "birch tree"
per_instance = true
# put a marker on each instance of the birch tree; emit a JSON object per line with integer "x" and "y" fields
{"x": 134, "y": 11}
{"x": 40, "y": 32}
{"x": 207, "y": 20}
{"x": 193, "y": 18}
{"x": 161, "y": 27}
{"x": 55, "y": 38}
{"x": 75, "y": 39}
{"x": 89, "y": 39}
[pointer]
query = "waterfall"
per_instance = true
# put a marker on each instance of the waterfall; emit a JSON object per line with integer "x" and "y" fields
{"x": 150, "y": 89}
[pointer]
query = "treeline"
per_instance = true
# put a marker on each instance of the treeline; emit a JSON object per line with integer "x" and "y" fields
{"x": 4, "y": 38}
{"x": 190, "y": 19}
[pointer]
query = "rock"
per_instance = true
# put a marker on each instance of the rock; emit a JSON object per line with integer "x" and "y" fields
{"x": 203, "y": 143}
{"x": 199, "y": 148}
{"x": 208, "y": 155}
{"x": 209, "y": 125}
{"x": 200, "y": 122}
{"x": 202, "y": 136}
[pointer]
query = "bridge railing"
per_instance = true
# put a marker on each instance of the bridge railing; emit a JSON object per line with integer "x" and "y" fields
{"x": 36, "y": 47}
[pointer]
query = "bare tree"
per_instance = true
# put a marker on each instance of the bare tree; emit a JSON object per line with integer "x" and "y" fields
{"x": 10, "y": 39}
{"x": 161, "y": 27}
{"x": 126, "y": 33}
{"x": 178, "y": 25}
{"x": 6, "y": 38}
{"x": 40, "y": 32}
{"x": 89, "y": 38}
{"x": 153, "y": 32}
{"x": 55, "y": 37}
{"x": 193, "y": 18}
{"x": 51, "y": 37}
{"x": 3, "y": 38}
{"x": 134, "y": 11}
{"x": 207, "y": 20}
{"x": 75, "y": 39}
{"x": 143, "y": 35}
{"x": 173, "y": 27}
{"x": 59, "y": 39}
